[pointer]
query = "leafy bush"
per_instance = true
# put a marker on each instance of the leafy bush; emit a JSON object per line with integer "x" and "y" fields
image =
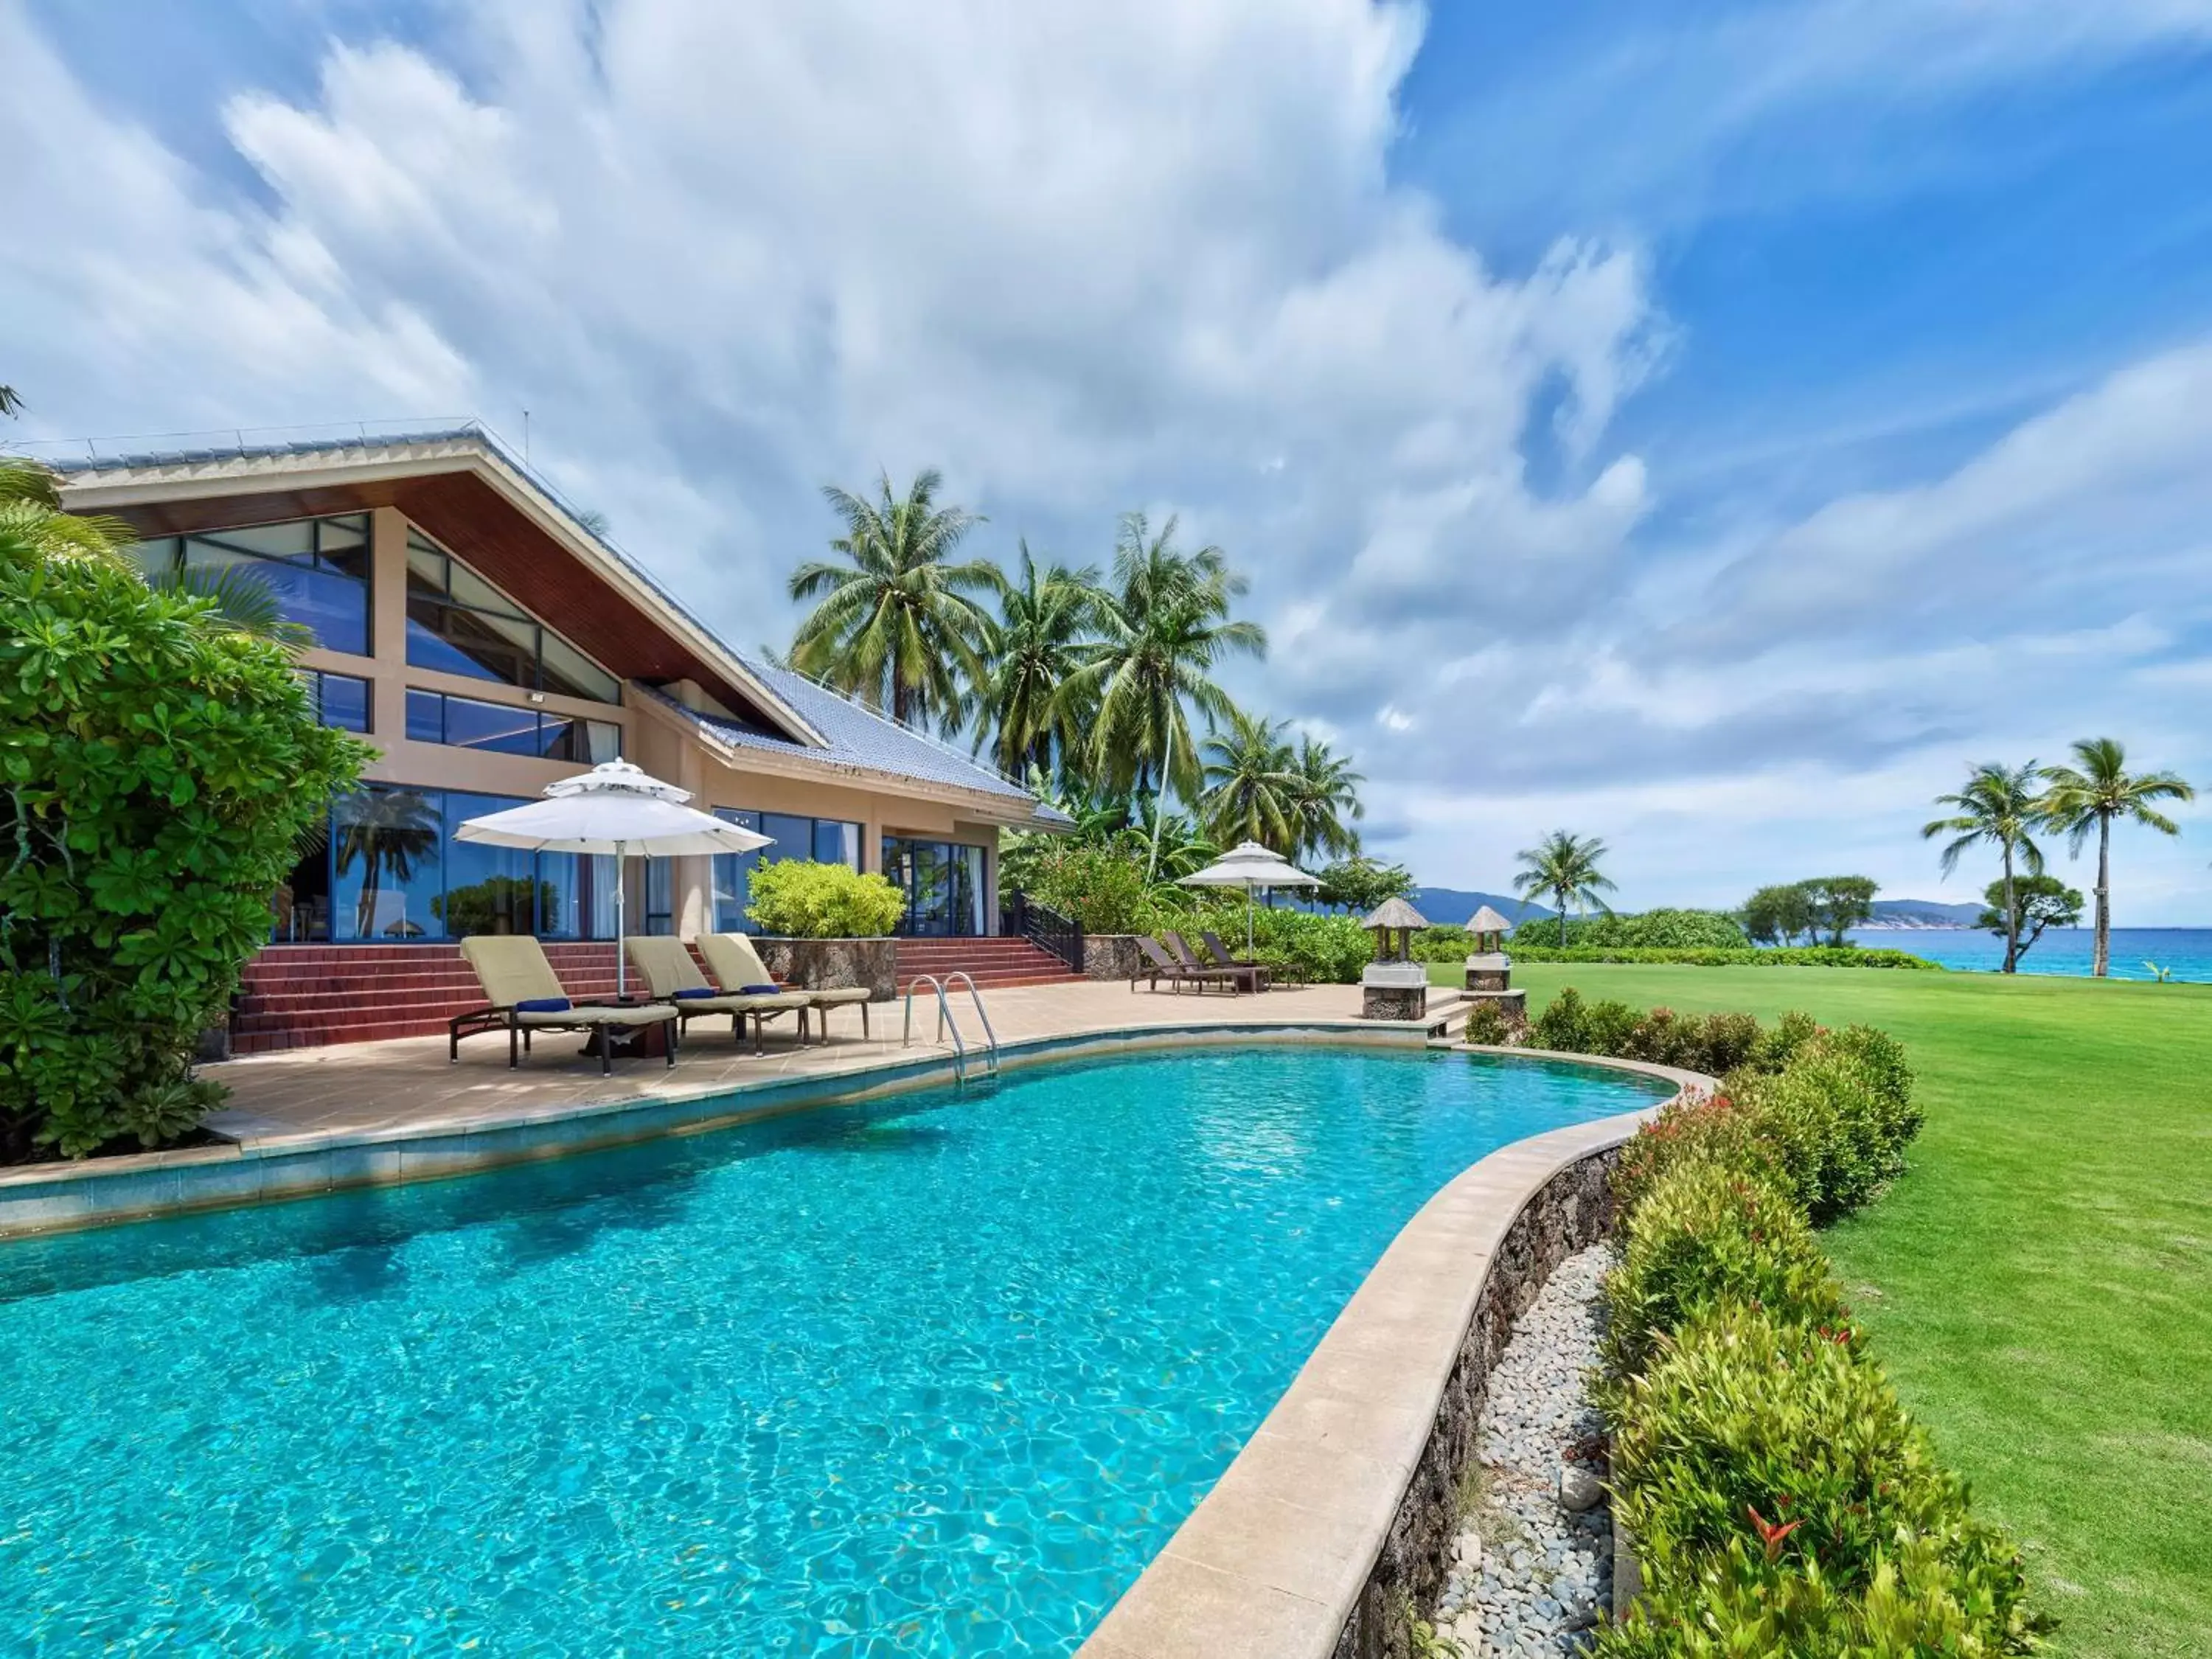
{"x": 1705, "y": 1234}
{"x": 1326, "y": 950}
{"x": 1486, "y": 1025}
{"x": 796, "y": 898}
{"x": 1102, "y": 888}
{"x": 1821, "y": 956}
{"x": 1774, "y": 1482}
{"x": 161, "y": 766}
{"x": 1783, "y": 1501}
{"x": 1652, "y": 930}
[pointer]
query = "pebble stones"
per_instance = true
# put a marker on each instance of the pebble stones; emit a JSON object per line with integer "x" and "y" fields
{"x": 1532, "y": 1561}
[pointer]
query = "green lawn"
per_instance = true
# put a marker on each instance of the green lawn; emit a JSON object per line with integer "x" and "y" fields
{"x": 2040, "y": 1284}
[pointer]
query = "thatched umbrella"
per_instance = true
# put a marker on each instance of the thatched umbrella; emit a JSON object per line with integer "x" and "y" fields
{"x": 1489, "y": 929}
{"x": 1395, "y": 915}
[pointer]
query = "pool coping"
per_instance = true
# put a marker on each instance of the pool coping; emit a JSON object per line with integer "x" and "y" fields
{"x": 1273, "y": 1563}
{"x": 256, "y": 1165}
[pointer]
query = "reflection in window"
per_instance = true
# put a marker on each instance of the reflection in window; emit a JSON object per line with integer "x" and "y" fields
{"x": 395, "y": 873}
{"x": 341, "y": 701}
{"x": 461, "y": 624}
{"x": 945, "y": 885}
{"x": 505, "y": 729}
{"x": 317, "y": 570}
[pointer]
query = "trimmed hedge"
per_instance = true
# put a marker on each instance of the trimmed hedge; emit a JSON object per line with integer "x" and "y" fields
{"x": 1820, "y": 956}
{"x": 1782, "y": 1500}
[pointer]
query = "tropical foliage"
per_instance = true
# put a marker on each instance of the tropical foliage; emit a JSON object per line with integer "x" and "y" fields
{"x": 1359, "y": 884}
{"x": 1565, "y": 867}
{"x": 1820, "y": 904}
{"x": 798, "y": 898}
{"x": 896, "y": 623}
{"x": 1103, "y": 691}
{"x": 2092, "y": 794}
{"x": 1998, "y": 806}
{"x": 161, "y": 766}
{"x": 2034, "y": 902}
{"x": 1663, "y": 929}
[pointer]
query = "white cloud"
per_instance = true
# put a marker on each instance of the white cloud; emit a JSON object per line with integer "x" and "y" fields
{"x": 1152, "y": 254}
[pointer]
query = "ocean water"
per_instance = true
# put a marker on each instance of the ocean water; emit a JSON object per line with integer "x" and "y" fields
{"x": 2185, "y": 951}
{"x": 936, "y": 1376}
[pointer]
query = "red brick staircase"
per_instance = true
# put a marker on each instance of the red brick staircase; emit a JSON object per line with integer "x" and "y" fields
{"x": 990, "y": 961}
{"x": 303, "y": 996}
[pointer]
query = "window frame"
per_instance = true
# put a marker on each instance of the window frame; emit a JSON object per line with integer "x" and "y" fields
{"x": 506, "y": 609}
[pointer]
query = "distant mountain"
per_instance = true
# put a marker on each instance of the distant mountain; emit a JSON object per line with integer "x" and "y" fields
{"x": 1450, "y": 907}
{"x": 1923, "y": 913}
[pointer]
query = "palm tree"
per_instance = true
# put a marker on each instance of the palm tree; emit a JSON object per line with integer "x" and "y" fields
{"x": 2089, "y": 796}
{"x": 1566, "y": 867}
{"x": 1030, "y": 716}
{"x": 1999, "y": 805}
{"x": 1250, "y": 783}
{"x": 387, "y": 832}
{"x": 1325, "y": 793}
{"x": 897, "y": 625}
{"x": 1164, "y": 628}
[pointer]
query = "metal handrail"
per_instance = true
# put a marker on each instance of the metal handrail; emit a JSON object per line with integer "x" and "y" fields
{"x": 990, "y": 1036}
{"x": 946, "y": 1019}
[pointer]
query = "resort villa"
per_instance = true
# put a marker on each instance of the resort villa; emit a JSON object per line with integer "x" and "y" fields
{"x": 487, "y": 642}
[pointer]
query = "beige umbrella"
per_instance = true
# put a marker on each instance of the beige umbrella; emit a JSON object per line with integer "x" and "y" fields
{"x": 1253, "y": 868}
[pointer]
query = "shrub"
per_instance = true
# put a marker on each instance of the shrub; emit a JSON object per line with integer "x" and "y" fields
{"x": 1486, "y": 1025}
{"x": 1769, "y": 1474}
{"x": 1652, "y": 930}
{"x": 1326, "y": 950}
{"x": 1774, "y": 1046}
{"x": 1102, "y": 888}
{"x": 796, "y": 898}
{"x": 162, "y": 767}
{"x": 1822, "y": 956}
{"x": 1708, "y": 1233}
{"x": 1838, "y": 1131}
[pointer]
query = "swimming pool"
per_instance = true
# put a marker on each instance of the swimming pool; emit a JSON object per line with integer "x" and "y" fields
{"x": 933, "y": 1375}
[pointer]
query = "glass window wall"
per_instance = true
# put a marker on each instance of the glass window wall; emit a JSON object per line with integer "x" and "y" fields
{"x": 339, "y": 700}
{"x": 460, "y": 624}
{"x": 316, "y": 569}
{"x": 471, "y": 723}
{"x": 945, "y": 884}
{"x": 393, "y": 872}
{"x": 825, "y": 841}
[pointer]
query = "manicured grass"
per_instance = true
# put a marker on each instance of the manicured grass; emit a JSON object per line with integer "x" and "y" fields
{"x": 2040, "y": 1283}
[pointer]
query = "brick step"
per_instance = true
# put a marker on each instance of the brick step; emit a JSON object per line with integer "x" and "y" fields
{"x": 1001, "y": 982}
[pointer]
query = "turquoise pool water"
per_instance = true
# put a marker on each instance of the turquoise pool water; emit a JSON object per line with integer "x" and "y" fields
{"x": 935, "y": 1377}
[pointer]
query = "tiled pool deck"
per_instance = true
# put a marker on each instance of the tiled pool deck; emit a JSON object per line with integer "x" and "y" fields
{"x": 314, "y": 1119}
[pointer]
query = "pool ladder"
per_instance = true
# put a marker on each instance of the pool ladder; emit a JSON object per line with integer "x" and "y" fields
{"x": 946, "y": 1021}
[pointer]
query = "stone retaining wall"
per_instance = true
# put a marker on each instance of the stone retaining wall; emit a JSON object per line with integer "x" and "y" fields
{"x": 829, "y": 964}
{"x": 1111, "y": 957}
{"x": 1570, "y": 1212}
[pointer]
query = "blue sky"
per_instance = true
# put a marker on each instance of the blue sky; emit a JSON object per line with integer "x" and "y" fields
{"x": 1711, "y": 427}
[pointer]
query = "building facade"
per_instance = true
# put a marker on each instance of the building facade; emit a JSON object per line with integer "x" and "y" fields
{"x": 487, "y": 641}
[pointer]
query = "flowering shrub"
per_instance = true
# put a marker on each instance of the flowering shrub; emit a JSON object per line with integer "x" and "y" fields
{"x": 1782, "y": 1500}
{"x": 1820, "y": 956}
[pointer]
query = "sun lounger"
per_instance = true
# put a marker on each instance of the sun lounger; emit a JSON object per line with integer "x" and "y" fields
{"x": 1243, "y": 978}
{"x": 1219, "y": 952}
{"x": 523, "y": 994}
{"x": 668, "y": 968}
{"x": 1159, "y": 965}
{"x": 739, "y": 967}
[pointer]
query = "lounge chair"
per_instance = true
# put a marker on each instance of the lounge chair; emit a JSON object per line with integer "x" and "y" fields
{"x": 1244, "y": 978}
{"x": 675, "y": 978}
{"x": 1159, "y": 965}
{"x": 1219, "y": 952}
{"x": 523, "y": 994}
{"x": 738, "y": 966}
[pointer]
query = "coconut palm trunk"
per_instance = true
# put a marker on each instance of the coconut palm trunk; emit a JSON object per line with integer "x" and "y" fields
{"x": 2101, "y": 960}
{"x": 2012, "y": 915}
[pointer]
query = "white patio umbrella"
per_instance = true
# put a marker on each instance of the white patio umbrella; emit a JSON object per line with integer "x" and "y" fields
{"x": 614, "y": 809}
{"x": 1253, "y": 868}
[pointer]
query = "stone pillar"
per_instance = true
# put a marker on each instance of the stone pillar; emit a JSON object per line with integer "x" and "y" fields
{"x": 1394, "y": 990}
